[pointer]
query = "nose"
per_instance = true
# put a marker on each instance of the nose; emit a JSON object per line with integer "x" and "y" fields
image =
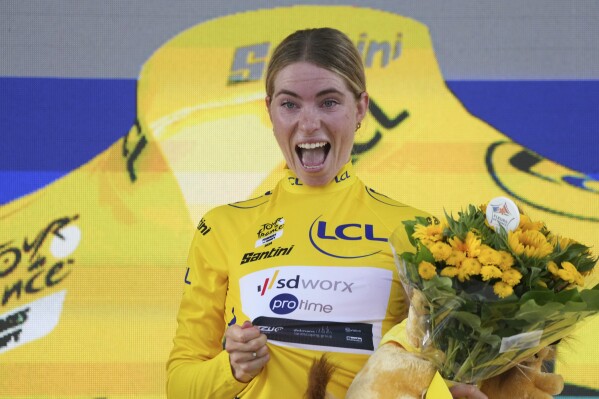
{"x": 309, "y": 120}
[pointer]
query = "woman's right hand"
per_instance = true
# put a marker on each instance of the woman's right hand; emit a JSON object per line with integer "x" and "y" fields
{"x": 248, "y": 353}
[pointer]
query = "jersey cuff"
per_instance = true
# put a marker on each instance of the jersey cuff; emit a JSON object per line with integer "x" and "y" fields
{"x": 225, "y": 370}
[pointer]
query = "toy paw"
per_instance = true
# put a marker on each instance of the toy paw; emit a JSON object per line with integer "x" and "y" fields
{"x": 525, "y": 380}
{"x": 392, "y": 373}
{"x": 417, "y": 317}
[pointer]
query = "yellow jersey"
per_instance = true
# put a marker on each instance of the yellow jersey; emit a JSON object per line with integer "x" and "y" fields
{"x": 311, "y": 266}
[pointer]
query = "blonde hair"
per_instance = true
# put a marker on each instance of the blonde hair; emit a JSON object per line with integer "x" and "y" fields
{"x": 327, "y": 48}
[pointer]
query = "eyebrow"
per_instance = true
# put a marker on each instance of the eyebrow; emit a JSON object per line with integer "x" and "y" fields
{"x": 319, "y": 94}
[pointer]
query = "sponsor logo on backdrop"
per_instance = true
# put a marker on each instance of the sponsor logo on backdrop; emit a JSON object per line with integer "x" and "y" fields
{"x": 40, "y": 263}
{"x": 10, "y": 326}
{"x": 133, "y": 145}
{"x": 385, "y": 125}
{"x": 33, "y": 321}
{"x": 507, "y": 162}
{"x": 249, "y": 62}
{"x": 322, "y": 234}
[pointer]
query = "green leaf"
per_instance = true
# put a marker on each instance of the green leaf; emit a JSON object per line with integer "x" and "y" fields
{"x": 532, "y": 312}
{"x": 491, "y": 339}
{"x": 469, "y": 319}
{"x": 540, "y": 297}
{"x": 591, "y": 298}
{"x": 568, "y": 296}
{"x": 439, "y": 291}
{"x": 424, "y": 254}
{"x": 493, "y": 312}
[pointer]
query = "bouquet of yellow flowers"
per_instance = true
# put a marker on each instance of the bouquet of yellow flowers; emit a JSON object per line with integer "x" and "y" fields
{"x": 492, "y": 287}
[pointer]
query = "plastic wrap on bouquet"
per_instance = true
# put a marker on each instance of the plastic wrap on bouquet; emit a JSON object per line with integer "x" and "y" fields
{"x": 485, "y": 295}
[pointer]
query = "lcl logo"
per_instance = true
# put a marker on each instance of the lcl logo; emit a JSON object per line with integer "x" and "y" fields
{"x": 320, "y": 230}
{"x": 348, "y": 231}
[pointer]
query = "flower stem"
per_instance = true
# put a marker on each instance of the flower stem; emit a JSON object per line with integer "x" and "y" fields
{"x": 469, "y": 363}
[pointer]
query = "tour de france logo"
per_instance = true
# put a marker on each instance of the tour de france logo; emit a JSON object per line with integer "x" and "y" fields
{"x": 35, "y": 267}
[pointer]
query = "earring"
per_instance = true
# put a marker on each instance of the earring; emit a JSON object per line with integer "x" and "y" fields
{"x": 358, "y": 125}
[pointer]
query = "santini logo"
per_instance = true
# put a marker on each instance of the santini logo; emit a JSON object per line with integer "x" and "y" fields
{"x": 254, "y": 256}
{"x": 203, "y": 227}
{"x": 307, "y": 284}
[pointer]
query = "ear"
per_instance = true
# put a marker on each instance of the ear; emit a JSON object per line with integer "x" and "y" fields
{"x": 267, "y": 101}
{"x": 362, "y": 106}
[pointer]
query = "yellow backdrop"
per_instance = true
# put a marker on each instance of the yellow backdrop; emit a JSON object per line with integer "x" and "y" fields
{"x": 93, "y": 264}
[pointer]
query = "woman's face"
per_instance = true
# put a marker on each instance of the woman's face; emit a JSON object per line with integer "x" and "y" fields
{"x": 314, "y": 116}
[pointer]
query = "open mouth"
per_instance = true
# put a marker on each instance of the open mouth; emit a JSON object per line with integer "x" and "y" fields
{"x": 313, "y": 155}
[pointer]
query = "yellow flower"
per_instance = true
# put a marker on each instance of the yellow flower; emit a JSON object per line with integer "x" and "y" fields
{"x": 527, "y": 224}
{"x": 431, "y": 232}
{"x": 531, "y": 243}
{"x": 426, "y": 270}
{"x": 502, "y": 289}
{"x": 449, "y": 271}
{"x": 456, "y": 258}
{"x": 489, "y": 272}
{"x": 552, "y": 267}
{"x": 440, "y": 250}
{"x": 470, "y": 245}
{"x": 563, "y": 242}
{"x": 507, "y": 260}
{"x": 570, "y": 274}
{"x": 463, "y": 274}
{"x": 489, "y": 256}
{"x": 471, "y": 266}
{"x": 511, "y": 277}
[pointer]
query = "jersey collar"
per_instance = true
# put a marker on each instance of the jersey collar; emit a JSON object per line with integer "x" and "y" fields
{"x": 344, "y": 178}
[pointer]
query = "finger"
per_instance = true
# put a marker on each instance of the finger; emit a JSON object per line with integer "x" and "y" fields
{"x": 236, "y": 337}
{"x": 260, "y": 352}
{"x": 245, "y": 366}
{"x": 249, "y": 330}
{"x": 239, "y": 358}
{"x": 466, "y": 391}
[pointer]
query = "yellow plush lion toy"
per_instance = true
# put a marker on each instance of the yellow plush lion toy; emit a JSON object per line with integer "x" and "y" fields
{"x": 397, "y": 371}
{"x": 394, "y": 373}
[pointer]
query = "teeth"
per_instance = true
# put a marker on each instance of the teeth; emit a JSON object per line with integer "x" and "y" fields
{"x": 310, "y": 146}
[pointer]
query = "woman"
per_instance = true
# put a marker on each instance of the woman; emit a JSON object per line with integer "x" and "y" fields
{"x": 306, "y": 269}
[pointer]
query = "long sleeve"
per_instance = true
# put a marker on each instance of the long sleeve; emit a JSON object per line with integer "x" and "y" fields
{"x": 198, "y": 367}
